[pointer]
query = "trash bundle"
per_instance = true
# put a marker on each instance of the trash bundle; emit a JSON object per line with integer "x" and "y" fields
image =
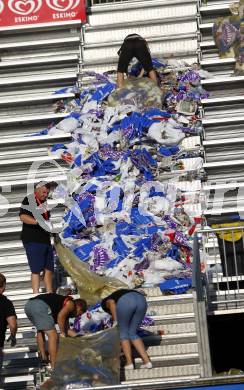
{"x": 132, "y": 194}
{"x": 87, "y": 361}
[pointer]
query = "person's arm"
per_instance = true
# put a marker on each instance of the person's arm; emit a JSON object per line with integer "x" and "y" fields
{"x": 25, "y": 213}
{"x": 63, "y": 317}
{"x": 12, "y": 324}
{"x": 120, "y": 79}
{"x": 111, "y": 305}
{"x": 28, "y": 219}
{"x": 141, "y": 73}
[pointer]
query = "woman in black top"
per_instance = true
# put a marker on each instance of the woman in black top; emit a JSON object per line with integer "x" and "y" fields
{"x": 128, "y": 308}
{"x": 134, "y": 46}
{"x": 46, "y": 310}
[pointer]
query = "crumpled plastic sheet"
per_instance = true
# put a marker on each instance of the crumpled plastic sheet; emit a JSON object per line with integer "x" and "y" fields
{"x": 87, "y": 361}
{"x": 124, "y": 220}
{"x": 137, "y": 92}
{"x": 228, "y": 34}
{"x": 96, "y": 319}
{"x": 91, "y": 287}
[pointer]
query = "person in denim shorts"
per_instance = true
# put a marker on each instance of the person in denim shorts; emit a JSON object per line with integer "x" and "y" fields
{"x": 128, "y": 308}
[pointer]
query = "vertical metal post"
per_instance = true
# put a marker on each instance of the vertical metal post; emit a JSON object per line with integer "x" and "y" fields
{"x": 202, "y": 337}
{"x": 200, "y": 313}
{"x": 81, "y": 53}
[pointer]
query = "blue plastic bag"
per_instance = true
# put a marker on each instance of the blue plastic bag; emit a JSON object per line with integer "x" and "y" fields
{"x": 176, "y": 286}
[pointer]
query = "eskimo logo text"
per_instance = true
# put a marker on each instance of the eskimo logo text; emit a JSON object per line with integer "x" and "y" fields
{"x": 24, "y": 7}
{"x": 62, "y": 5}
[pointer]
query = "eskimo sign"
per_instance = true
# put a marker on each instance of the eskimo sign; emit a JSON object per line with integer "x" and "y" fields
{"x": 19, "y": 12}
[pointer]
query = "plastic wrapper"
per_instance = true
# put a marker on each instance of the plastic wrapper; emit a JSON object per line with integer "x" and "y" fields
{"x": 91, "y": 286}
{"x": 228, "y": 34}
{"x": 87, "y": 361}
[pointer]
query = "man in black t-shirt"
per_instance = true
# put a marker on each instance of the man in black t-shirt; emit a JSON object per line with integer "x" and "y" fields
{"x": 7, "y": 316}
{"x": 36, "y": 236}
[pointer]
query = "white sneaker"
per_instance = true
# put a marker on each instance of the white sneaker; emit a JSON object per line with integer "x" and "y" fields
{"x": 147, "y": 365}
{"x": 129, "y": 367}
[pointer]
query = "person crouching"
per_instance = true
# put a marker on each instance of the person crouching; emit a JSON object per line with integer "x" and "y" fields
{"x": 46, "y": 310}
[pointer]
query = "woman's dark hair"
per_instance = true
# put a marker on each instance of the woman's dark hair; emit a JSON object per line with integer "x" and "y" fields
{"x": 81, "y": 303}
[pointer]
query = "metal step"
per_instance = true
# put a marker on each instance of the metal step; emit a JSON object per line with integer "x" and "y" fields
{"x": 19, "y": 382}
{"x": 158, "y": 46}
{"x": 12, "y": 182}
{"x": 174, "y": 328}
{"x": 222, "y": 164}
{"x": 32, "y": 118}
{"x": 171, "y": 360}
{"x": 162, "y": 372}
{"x": 16, "y": 81}
{"x": 34, "y": 62}
{"x": 33, "y": 99}
{"x": 8, "y": 46}
{"x": 173, "y": 349}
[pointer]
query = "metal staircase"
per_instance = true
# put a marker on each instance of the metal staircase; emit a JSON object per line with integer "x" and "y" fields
{"x": 36, "y": 61}
{"x": 175, "y": 350}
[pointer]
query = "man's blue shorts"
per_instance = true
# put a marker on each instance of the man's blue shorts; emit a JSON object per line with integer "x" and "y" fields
{"x": 40, "y": 256}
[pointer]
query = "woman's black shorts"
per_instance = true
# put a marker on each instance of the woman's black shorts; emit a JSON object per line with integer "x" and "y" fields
{"x": 134, "y": 47}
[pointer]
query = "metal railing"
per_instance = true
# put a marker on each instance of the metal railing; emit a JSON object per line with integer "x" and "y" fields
{"x": 218, "y": 268}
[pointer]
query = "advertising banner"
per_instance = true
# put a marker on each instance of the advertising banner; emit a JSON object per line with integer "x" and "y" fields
{"x": 22, "y": 12}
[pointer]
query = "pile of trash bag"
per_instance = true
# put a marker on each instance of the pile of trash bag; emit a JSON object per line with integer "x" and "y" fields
{"x": 132, "y": 194}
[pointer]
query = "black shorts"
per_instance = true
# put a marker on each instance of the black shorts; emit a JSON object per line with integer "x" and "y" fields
{"x": 136, "y": 47}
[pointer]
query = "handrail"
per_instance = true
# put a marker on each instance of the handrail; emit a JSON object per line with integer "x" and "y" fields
{"x": 222, "y": 283}
{"x": 213, "y": 230}
{"x": 197, "y": 276}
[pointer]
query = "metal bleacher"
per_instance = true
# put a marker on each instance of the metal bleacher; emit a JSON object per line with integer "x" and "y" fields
{"x": 223, "y": 124}
{"x": 168, "y": 25}
{"x": 35, "y": 62}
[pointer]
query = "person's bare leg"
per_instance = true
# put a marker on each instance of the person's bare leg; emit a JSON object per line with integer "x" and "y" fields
{"x": 35, "y": 283}
{"x": 153, "y": 76}
{"x": 140, "y": 348}
{"x": 126, "y": 347}
{"x": 52, "y": 345}
{"x": 40, "y": 338}
{"x": 120, "y": 79}
{"x": 48, "y": 280}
